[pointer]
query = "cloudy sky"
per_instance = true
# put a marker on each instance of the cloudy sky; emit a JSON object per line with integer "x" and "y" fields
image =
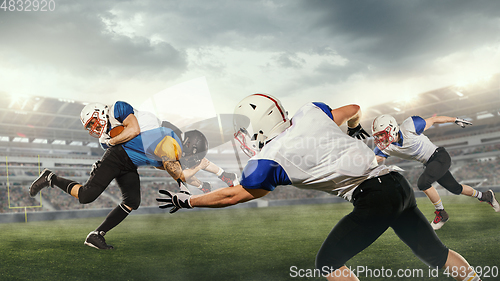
{"x": 339, "y": 52}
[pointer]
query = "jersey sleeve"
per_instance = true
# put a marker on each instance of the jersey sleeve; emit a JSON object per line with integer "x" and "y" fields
{"x": 326, "y": 109}
{"x": 379, "y": 152}
{"x": 419, "y": 124}
{"x": 168, "y": 149}
{"x": 163, "y": 143}
{"x": 122, "y": 110}
{"x": 264, "y": 174}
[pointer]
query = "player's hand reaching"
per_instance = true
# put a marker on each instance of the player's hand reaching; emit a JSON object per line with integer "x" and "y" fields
{"x": 462, "y": 122}
{"x": 175, "y": 201}
{"x": 357, "y": 132}
{"x": 204, "y": 163}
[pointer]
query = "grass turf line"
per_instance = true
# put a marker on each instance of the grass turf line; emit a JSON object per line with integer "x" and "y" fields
{"x": 232, "y": 244}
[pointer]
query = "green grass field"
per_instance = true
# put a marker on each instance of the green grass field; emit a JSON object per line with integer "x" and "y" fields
{"x": 230, "y": 244}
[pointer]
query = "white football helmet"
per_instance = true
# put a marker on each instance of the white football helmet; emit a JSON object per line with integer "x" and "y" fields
{"x": 94, "y": 117}
{"x": 385, "y": 131}
{"x": 258, "y": 118}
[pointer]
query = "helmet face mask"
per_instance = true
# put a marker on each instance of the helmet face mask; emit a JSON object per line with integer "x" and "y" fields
{"x": 247, "y": 144}
{"x": 194, "y": 148}
{"x": 383, "y": 138}
{"x": 94, "y": 119}
{"x": 385, "y": 131}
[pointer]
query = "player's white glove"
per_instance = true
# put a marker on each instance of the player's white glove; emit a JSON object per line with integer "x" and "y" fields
{"x": 175, "y": 201}
{"x": 104, "y": 141}
{"x": 357, "y": 132}
{"x": 462, "y": 122}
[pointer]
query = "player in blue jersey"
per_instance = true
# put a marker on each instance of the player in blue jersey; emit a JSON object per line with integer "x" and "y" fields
{"x": 310, "y": 151}
{"x": 143, "y": 142}
{"x": 408, "y": 142}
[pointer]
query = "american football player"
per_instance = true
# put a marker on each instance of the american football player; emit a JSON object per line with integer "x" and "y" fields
{"x": 408, "y": 142}
{"x": 143, "y": 141}
{"x": 194, "y": 140}
{"x": 310, "y": 151}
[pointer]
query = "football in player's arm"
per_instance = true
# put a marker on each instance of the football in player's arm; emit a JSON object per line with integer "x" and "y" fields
{"x": 136, "y": 145}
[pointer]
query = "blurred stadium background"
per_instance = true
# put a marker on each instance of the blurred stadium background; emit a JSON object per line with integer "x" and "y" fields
{"x": 40, "y": 132}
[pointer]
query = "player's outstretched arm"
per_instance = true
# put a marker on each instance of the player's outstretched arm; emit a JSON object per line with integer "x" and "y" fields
{"x": 224, "y": 197}
{"x": 188, "y": 173}
{"x": 216, "y": 199}
{"x": 445, "y": 119}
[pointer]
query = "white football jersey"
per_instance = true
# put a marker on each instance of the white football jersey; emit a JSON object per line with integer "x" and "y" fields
{"x": 315, "y": 154}
{"x": 414, "y": 144}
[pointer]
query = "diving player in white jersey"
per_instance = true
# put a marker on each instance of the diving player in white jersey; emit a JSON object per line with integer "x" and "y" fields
{"x": 310, "y": 151}
{"x": 142, "y": 142}
{"x": 408, "y": 142}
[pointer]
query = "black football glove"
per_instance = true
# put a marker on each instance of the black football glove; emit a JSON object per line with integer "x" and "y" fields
{"x": 357, "y": 132}
{"x": 462, "y": 122}
{"x": 175, "y": 201}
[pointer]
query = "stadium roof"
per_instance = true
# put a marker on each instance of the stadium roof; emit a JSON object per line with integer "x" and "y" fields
{"x": 41, "y": 118}
{"x": 477, "y": 102}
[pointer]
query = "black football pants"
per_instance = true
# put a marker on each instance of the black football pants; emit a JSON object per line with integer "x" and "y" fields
{"x": 380, "y": 203}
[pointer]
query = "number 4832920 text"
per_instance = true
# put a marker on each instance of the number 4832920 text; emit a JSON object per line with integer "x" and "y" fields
{"x": 28, "y": 5}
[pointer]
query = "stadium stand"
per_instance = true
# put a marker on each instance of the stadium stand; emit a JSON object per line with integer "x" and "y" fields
{"x": 39, "y": 132}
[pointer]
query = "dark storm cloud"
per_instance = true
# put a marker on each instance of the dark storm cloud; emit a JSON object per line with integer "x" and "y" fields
{"x": 75, "y": 38}
{"x": 405, "y": 33}
{"x": 397, "y": 38}
{"x": 377, "y": 38}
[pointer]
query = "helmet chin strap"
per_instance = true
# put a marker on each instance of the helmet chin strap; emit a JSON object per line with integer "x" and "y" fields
{"x": 108, "y": 125}
{"x": 261, "y": 140}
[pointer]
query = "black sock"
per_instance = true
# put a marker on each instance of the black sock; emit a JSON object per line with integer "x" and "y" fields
{"x": 64, "y": 184}
{"x": 116, "y": 216}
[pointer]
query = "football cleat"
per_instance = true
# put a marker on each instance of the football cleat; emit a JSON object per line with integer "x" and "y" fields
{"x": 44, "y": 180}
{"x": 489, "y": 197}
{"x": 231, "y": 179}
{"x": 206, "y": 187}
{"x": 96, "y": 239}
{"x": 441, "y": 218}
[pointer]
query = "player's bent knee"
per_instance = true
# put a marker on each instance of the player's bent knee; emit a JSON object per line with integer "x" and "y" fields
{"x": 455, "y": 189}
{"x": 423, "y": 185}
{"x": 133, "y": 204}
{"x": 86, "y": 199}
